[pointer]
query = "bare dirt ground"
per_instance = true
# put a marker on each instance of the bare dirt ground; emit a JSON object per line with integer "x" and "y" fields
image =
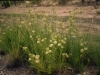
{"x": 88, "y": 10}
{"x": 88, "y": 13}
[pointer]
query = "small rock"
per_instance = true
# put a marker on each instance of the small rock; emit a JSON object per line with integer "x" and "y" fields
{"x": 1, "y": 73}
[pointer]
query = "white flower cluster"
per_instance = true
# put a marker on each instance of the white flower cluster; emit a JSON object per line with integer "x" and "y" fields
{"x": 82, "y": 44}
{"x": 48, "y": 51}
{"x": 34, "y": 57}
{"x": 39, "y": 40}
{"x": 27, "y": 2}
{"x": 25, "y": 48}
{"x": 65, "y": 54}
{"x": 84, "y": 49}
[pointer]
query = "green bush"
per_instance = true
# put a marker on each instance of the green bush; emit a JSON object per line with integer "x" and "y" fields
{"x": 37, "y": 41}
{"x": 5, "y": 4}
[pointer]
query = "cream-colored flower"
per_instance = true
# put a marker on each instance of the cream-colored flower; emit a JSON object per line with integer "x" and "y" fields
{"x": 30, "y": 54}
{"x": 50, "y": 45}
{"x": 27, "y": 2}
{"x": 55, "y": 36}
{"x": 37, "y": 56}
{"x": 47, "y": 48}
{"x": 22, "y": 22}
{"x": 33, "y": 55}
{"x": 62, "y": 46}
{"x": 50, "y": 51}
{"x": 63, "y": 26}
{"x": 29, "y": 24}
{"x": 33, "y": 31}
{"x": 38, "y": 38}
{"x": 25, "y": 48}
{"x": 65, "y": 54}
{"x": 85, "y": 48}
{"x": 44, "y": 18}
{"x": 37, "y": 61}
{"x": 10, "y": 29}
{"x": 74, "y": 36}
{"x": 50, "y": 41}
{"x": 81, "y": 44}
{"x": 55, "y": 42}
{"x": 42, "y": 40}
{"x": 67, "y": 30}
{"x": 59, "y": 44}
{"x": 29, "y": 59}
{"x": 82, "y": 50}
{"x": 50, "y": 30}
{"x": 31, "y": 36}
{"x": 63, "y": 41}
{"x": 38, "y": 41}
{"x": 46, "y": 52}
{"x": 45, "y": 38}
{"x": 20, "y": 26}
{"x": 58, "y": 22}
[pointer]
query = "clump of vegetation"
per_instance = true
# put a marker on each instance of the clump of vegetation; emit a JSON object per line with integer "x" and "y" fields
{"x": 98, "y": 12}
{"x": 5, "y": 4}
{"x": 36, "y": 41}
{"x": 36, "y": 1}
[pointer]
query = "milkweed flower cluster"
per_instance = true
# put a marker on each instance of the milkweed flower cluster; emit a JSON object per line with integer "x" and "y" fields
{"x": 83, "y": 45}
{"x": 30, "y": 36}
{"x": 29, "y": 24}
{"x": 48, "y": 51}
{"x": 27, "y": 2}
{"x": 84, "y": 49}
{"x": 65, "y": 55}
{"x": 36, "y": 58}
{"x": 39, "y": 39}
{"x": 63, "y": 41}
{"x": 55, "y": 42}
{"x": 33, "y": 31}
{"x": 59, "y": 44}
{"x": 25, "y": 48}
{"x": 44, "y": 19}
{"x": 22, "y": 22}
{"x": 51, "y": 45}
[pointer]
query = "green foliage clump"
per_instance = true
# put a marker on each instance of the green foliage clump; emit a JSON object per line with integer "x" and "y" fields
{"x": 37, "y": 41}
{"x": 5, "y": 4}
